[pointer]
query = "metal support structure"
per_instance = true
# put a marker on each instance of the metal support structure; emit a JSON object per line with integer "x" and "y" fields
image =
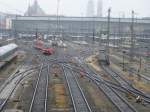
{"x": 1, "y": 35}
{"x": 140, "y": 59}
{"x": 83, "y": 27}
{"x": 140, "y": 63}
{"x": 93, "y": 29}
{"x": 140, "y": 67}
{"x": 119, "y": 32}
{"x": 15, "y": 30}
{"x": 36, "y": 33}
{"x": 100, "y": 38}
{"x": 93, "y": 35}
{"x": 123, "y": 67}
{"x": 58, "y": 18}
{"x": 120, "y": 35}
{"x": 132, "y": 39}
{"x": 49, "y": 27}
{"x": 108, "y": 30}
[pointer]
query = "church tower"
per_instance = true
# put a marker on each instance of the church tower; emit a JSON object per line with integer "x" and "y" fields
{"x": 90, "y": 9}
{"x": 35, "y": 10}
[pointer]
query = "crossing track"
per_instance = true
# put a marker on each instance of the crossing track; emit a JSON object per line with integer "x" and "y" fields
{"x": 6, "y": 91}
{"x": 79, "y": 101}
{"x": 125, "y": 84}
{"x": 40, "y": 95}
{"x": 132, "y": 70}
{"x": 111, "y": 93}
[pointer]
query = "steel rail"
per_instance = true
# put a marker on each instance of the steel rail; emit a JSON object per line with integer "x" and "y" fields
{"x": 4, "y": 102}
{"x": 82, "y": 93}
{"x": 112, "y": 85}
{"x": 118, "y": 101}
{"x": 72, "y": 98}
{"x": 47, "y": 83}
{"x": 74, "y": 86}
{"x": 125, "y": 84}
{"x": 35, "y": 91}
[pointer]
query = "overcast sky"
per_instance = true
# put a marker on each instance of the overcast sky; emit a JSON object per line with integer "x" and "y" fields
{"x": 78, "y": 7}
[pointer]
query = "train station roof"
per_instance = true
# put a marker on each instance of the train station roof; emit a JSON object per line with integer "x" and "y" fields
{"x": 7, "y": 48}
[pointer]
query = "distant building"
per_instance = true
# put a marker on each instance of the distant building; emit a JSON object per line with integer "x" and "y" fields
{"x": 5, "y": 20}
{"x": 35, "y": 10}
{"x": 2, "y": 20}
{"x": 72, "y": 25}
{"x": 99, "y": 8}
{"x": 90, "y": 9}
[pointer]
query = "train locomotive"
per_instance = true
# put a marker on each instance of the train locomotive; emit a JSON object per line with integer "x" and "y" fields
{"x": 43, "y": 47}
{"x": 103, "y": 57}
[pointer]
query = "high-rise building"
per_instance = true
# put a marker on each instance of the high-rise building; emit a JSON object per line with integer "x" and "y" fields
{"x": 35, "y": 10}
{"x": 90, "y": 8}
{"x": 99, "y": 8}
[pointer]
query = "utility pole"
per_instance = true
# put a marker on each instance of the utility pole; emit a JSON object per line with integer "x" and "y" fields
{"x": 1, "y": 35}
{"x": 93, "y": 35}
{"x": 57, "y": 26}
{"x": 108, "y": 30}
{"x": 93, "y": 29}
{"x": 36, "y": 33}
{"x": 132, "y": 38}
{"x": 119, "y": 31}
{"x": 123, "y": 67}
{"x": 15, "y": 28}
{"x": 100, "y": 36}
{"x": 140, "y": 63}
{"x": 82, "y": 25}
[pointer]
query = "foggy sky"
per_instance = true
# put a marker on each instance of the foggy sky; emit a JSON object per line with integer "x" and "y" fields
{"x": 78, "y": 7}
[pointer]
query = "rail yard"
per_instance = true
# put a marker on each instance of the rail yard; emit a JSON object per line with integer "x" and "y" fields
{"x": 73, "y": 78}
{"x": 55, "y": 56}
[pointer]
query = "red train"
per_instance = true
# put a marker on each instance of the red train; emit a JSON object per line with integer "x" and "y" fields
{"x": 48, "y": 51}
{"x": 39, "y": 44}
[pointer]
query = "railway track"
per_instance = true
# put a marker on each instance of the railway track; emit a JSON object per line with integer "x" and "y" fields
{"x": 132, "y": 70}
{"x": 40, "y": 95}
{"x": 125, "y": 84}
{"x": 111, "y": 93}
{"x": 79, "y": 101}
{"x": 126, "y": 89}
{"x": 117, "y": 77}
{"x": 10, "y": 85}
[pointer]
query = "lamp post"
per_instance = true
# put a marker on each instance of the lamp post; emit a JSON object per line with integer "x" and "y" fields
{"x": 140, "y": 61}
{"x": 93, "y": 39}
{"x": 132, "y": 38}
{"x": 120, "y": 31}
{"x": 108, "y": 29}
{"x": 1, "y": 36}
{"x": 123, "y": 52}
{"x": 100, "y": 36}
{"x": 58, "y": 1}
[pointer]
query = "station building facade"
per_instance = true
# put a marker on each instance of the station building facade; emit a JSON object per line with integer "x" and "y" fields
{"x": 78, "y": 25}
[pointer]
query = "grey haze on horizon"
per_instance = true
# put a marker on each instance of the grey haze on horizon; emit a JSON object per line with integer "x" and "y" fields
{"x": 78, "y": 7}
